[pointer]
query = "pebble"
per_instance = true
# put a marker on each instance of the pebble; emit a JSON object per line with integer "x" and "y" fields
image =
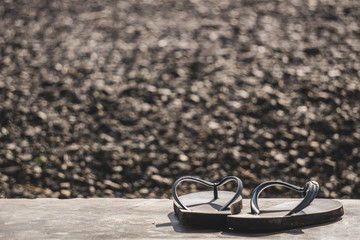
{"x": 314, "y": 144}
{"x": 161, "y": 180}
{"x": 280, "y": 157}
{"x": 183, "y": 158}
{"x": 65, "y": 193}
{"x": 301, "y": 161}
{"x": 65, "y": 185}
{"x": 112, "y": 184}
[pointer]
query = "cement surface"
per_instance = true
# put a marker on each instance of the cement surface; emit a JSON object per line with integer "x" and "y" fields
{"x": 111, "y": 218}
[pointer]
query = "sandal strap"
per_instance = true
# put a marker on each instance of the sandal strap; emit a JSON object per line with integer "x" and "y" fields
{"x": 209, "y": 184}
{"x": 310, "y": 190}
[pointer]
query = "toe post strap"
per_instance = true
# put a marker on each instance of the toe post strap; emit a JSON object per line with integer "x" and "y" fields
{"x": 209, "y": 184}
{"x": 310, "y": 190}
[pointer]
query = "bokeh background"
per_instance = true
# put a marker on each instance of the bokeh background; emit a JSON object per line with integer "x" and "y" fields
{"x": 120, "y": 98}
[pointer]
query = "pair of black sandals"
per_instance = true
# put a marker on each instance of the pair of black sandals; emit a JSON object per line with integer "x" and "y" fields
{"x": 225, "y": 210}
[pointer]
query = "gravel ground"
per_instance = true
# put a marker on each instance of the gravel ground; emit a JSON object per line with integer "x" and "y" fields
{"x": 120, "y": 98}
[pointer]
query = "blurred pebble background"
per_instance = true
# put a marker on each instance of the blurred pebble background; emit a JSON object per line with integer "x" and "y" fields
{"x": 120, "y": 98}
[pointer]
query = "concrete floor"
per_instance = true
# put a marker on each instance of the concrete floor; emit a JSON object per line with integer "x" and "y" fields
{"x": 105, "y": 218}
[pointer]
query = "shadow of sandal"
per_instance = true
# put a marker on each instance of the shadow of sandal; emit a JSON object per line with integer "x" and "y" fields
{"x": 174, "y": 222}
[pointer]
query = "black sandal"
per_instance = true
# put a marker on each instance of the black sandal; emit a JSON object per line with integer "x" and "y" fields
{"x": 207, "y": 208}
{"x": 289, "y": 214}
